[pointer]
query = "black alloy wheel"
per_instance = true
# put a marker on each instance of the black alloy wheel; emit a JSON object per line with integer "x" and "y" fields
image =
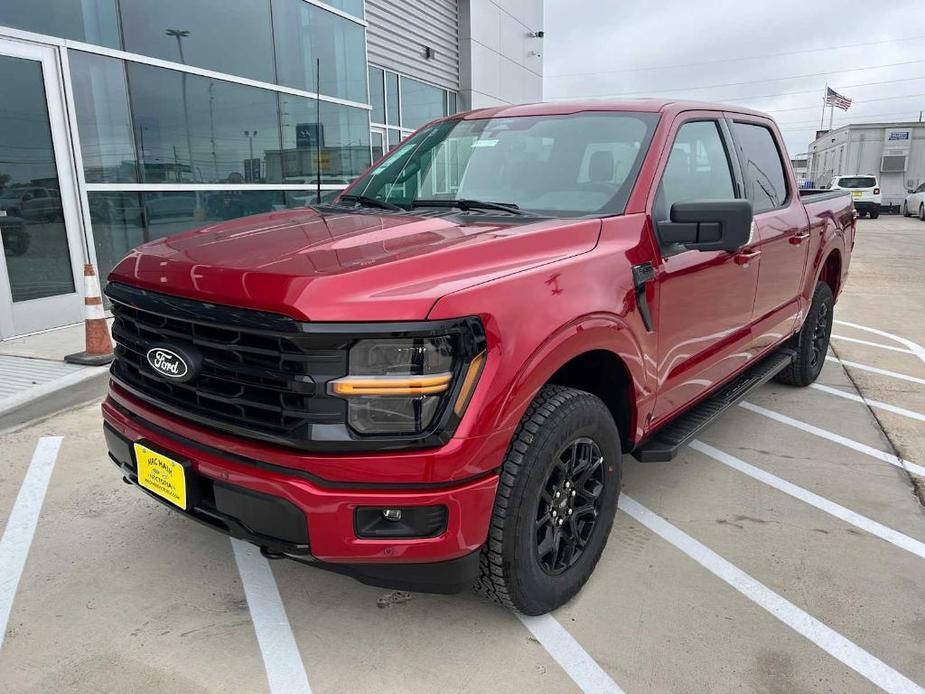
{"x": 569, "y": 505}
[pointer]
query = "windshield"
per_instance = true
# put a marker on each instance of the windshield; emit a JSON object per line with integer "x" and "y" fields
{"x": 567, "y": 166}
{"x": 857, "y": 182}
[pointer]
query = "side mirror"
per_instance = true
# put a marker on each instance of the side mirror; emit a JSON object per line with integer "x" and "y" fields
{"x": 708, "y": 225}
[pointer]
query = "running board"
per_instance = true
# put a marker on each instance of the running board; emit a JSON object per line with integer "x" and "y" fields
{"x": 665, "y": 443}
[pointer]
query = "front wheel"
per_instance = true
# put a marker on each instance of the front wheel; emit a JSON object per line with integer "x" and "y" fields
{"x": 812, "y": 342}
{"x": 922, "y": 212}
{"x": 906, "y": 212}
{"x": 556, "y": 502}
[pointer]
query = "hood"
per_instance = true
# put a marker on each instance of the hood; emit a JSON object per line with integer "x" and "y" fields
{"x": 346, "y": 266}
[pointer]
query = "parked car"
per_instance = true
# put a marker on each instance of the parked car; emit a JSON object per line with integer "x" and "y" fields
{"x": 15, "y": 200}
{"x": 427, "y": 390}
{"x": 865, "y": 193}
{"x": 43, "y": 205}
{"x": 15, "y": 234}
{"x": 914, "y": 204}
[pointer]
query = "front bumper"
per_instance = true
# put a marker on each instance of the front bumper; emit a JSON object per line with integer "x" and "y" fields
{"x": 289, "y": 515}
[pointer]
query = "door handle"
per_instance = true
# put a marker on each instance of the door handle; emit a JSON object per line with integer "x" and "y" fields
{"x": 797, "y": 239}
{"x": 745, "y": 257}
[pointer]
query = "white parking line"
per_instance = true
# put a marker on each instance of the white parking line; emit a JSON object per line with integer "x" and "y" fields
{"x": 281, "y": 658}
{"x": 880, "y": 345}
{"x": 803, "y": 623}
{"x": 20, "y": 528}
{"x": 566, "y": 651}
{"x": 856, "y": 519}
{"x": 913, "y": 347}
{"x": 872, "y": 403}
{"x": 836, "y": 438}
{"x": 874, "y": 369}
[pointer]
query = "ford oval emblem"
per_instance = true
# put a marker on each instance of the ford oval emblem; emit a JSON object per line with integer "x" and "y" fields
{"x": 166, "y": 362}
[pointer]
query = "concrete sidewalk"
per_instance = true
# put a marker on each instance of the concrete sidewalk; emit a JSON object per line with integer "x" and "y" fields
{"x": 35, "y": 382}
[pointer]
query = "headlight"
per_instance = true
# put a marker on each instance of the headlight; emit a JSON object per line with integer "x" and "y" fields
{"x": 400, "y": 385}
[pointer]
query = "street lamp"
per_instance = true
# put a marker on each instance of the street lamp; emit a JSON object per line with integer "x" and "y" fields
{"x": 179, "y": 35}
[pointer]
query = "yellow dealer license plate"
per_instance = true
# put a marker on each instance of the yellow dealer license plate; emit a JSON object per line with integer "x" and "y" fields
{"x": 856, "y": 194}
{"x": 161, "y": 475}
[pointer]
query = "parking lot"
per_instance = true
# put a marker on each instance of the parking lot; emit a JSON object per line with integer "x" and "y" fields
{"x": 783, "y": 552}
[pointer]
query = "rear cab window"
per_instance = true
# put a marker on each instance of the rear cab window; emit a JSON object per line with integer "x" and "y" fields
{"x": 857, "y": 182}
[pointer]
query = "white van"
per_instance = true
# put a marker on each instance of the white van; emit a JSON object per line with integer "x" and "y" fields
{"x": 865, "y": 192}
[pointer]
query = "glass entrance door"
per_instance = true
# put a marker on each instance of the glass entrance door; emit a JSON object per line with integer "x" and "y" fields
{"x": 39, "y": 224}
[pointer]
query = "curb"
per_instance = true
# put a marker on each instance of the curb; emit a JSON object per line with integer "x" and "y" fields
{"x": 47, "y": 399}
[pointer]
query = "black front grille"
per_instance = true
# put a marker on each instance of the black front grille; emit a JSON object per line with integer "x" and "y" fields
{"x": 261, "y": 376}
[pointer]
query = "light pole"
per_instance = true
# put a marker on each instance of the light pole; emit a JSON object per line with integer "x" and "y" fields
{"x": 250, "y": 142}
{"x": 179, "y": 35}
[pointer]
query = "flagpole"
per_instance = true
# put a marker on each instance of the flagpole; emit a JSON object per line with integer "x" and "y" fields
{"x": 825, "y": 95}
{"x": 831, "y": 114}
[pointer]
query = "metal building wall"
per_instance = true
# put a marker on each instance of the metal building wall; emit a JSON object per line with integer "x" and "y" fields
{"x": 859, "y": 149}
{"x": 398, "y": 33}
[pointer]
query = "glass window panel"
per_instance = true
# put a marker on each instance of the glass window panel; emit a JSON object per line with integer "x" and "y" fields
{"x": 394, "y": 138}
{"x": 103, "y": 118}
{"x": 377, "y": 140}
{"x": 33, "y": 232}
{"x": 92, "y": 21}
{"x": 391, "y": 98}
{"x": 118, "y": 226}
{"x": 697, "y": 168}
{"x": 306, "y": 33}
{"x": 450, "y": 103}
{"x": 354, "y": 7}
{"x": 376, "y": 95}
{"x": 765, "y": 182}
{"x": 196, "y": 129}
{"x": 204, "y": 33}
{"x": 420, "y": 103}
{"x": 342, "y": 135}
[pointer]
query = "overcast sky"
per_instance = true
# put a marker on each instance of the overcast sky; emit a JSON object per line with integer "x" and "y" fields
{"x": 770, "y": 49}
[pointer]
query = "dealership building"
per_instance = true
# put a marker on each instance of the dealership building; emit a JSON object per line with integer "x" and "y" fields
{"x": 124, "y": 121}
{"x": 893, "y": 152}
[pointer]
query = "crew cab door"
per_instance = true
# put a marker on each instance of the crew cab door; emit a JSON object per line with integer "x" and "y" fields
{"x": 783, "y": 231}
{"x": 704, "y": 298}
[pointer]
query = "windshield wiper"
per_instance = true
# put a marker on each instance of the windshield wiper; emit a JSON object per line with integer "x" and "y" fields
{"x": 373, "y": 202}
{"x": 466, "y": 205}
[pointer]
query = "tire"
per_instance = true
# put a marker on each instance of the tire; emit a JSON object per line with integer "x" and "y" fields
{"x": 906, "y": 212}
{"x": 514, "y": 571}
{"x": 922, "y": 212}
{"x": 812, "y": 342}
{"x": 874, "y": 214}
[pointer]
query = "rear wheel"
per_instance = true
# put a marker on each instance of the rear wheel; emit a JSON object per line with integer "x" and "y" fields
{"x": 555, "y": 504}
{"x": 874, "y": 213}
{"x": 812, "y": 342}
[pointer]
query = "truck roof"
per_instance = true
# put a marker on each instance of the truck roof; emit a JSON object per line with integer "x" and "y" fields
{"x": 559, "y": 108}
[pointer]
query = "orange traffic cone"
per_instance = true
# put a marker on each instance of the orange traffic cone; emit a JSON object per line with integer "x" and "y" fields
{"x": 99, "y": 344}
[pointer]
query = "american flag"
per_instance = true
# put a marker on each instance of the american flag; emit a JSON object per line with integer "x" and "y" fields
{"x": 833, "y": 98}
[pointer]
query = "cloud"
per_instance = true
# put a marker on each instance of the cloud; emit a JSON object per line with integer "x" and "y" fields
{"x": 771, "y": 56}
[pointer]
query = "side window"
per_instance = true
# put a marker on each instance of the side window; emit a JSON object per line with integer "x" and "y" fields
{"x": 921, "y": 189}
{"x": 763, "y": 170}
{"x": 697, "y": 168}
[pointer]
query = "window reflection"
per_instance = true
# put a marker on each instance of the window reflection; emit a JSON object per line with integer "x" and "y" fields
{"x": 92, "y": 21}
{"x": 420, "y": 103}
{"x": 305, "y": 33}
{"x": 31, "y": 215}
{"x": 376, "y": 95}
{"x": 235, "y": 39}
{"x": 342, "y": 138}
{"x": 195, "y": 129}
{"x": 391, "y": 99}
{"x": 103, "y": 120}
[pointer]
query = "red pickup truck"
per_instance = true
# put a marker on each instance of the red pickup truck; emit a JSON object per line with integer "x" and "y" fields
{"x": 430, "y": 382}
